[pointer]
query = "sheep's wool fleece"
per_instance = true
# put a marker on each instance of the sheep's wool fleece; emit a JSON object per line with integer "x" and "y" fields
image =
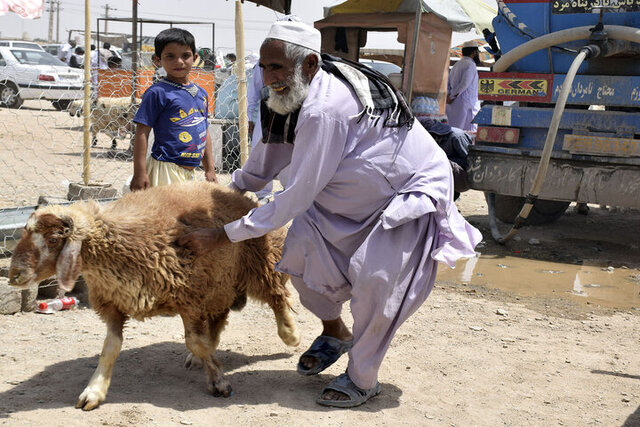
{"x": 351, "y": 181}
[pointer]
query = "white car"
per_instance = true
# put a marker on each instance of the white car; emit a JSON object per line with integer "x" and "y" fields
{"x": 36, "y": 74}
{"x": 53, "y": 49}
{"x": 20, "y": 43}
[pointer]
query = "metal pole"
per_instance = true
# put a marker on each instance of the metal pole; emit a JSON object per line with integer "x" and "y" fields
{"x": 241, "y": 77}
{"x": 98, "y": 39}
{"x": 416, "y": 33}
{"x": 86, "y": 111}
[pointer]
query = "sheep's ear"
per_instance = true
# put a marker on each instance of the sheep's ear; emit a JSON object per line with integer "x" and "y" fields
{"x": 69, "y": 264}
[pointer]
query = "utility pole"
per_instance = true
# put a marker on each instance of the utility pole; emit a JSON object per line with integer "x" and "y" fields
{"x": 106, "y": 16}
{"x": 50, "y": 34}
{"x": 58, "y": 21}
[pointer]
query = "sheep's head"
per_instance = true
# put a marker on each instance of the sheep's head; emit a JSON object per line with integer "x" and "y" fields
{"x": 47, "y": 247}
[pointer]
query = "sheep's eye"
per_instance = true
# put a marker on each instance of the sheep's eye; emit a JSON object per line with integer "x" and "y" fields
{"x": 53, "y": 240}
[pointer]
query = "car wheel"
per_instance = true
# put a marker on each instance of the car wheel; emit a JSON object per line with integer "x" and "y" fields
{"x": 543, "y": 211}
{"x": 61, "y": 105}
{"x": 9, "y": 96}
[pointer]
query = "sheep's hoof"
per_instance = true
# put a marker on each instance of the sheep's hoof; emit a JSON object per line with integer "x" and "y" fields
{"x": 89, "y": 399}
{"x": 221, "y": 388}
{"x": 290, "y": 336}
{"x": 193, "y": 362}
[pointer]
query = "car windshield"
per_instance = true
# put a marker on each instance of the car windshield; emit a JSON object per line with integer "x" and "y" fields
{"x": 385, "y": 68}
{"x": 35, "y": 57}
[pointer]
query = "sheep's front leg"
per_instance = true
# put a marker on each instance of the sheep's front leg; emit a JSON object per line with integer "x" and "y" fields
{"x": 202, "y": 338}
{"x": 96, "y": 390}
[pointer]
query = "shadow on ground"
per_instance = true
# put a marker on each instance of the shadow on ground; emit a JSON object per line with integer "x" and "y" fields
{"x": 155, "y": 375}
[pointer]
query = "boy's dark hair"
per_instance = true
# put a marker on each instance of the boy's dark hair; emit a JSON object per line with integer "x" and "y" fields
{"x": 174, "y": 35}
{"x": 106, "y": 45}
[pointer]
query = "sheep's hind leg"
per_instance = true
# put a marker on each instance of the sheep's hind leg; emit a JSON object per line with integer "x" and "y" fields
{"x": 275, "y": 294}
{"x": 96, "y": 390}
{"x": 287, "y": 329}
{"x": 202, "y": 338}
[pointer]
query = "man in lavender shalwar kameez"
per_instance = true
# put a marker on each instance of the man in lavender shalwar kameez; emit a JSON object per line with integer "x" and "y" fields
{"x": 372, "y": 209}
{"x": 462, "y": 89}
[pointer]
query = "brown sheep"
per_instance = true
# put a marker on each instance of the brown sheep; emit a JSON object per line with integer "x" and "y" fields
{"x": 127, "y": 254}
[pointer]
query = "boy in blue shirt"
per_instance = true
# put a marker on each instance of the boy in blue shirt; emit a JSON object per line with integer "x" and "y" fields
{"x": 176, "y": 109}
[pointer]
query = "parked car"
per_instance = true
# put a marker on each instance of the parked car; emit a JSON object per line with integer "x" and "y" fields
{"x": 392, "y": 71}
{"x": 53, "y": 49}
{"x": 20, "y": 43}
{"x": 382, "y": 67}
{"x": 36, "y": 74}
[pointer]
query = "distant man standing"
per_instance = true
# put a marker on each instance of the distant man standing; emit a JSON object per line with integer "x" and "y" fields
{"x": 462, "y": 97}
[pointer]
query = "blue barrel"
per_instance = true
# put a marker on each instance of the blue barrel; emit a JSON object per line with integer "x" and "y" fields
{"x": 520, "y": 20}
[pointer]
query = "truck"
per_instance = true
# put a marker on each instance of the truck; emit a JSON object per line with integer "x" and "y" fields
{"x": 559, "y": 121}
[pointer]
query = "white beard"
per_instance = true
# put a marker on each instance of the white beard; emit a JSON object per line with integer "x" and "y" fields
{"x": 298, "y": 91}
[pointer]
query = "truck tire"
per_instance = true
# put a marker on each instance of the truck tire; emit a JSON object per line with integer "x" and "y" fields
{"x": 507, "y": 209}
{"x": 9, "y": 95}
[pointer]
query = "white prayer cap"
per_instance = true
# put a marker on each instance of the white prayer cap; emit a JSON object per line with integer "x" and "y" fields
{"x": 470, "y": 43}
{"x": 297, "y": 33}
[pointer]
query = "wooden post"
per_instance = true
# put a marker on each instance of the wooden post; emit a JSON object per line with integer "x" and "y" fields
{"x": 86, "y": 111}
{"x": 241, "y": 77}
{"x": 134, "y": 51}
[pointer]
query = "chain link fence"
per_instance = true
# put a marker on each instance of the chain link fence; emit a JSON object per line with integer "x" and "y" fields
{"x": 42, "y": 138}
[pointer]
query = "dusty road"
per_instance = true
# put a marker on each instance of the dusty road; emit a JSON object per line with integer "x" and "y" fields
{"x": 472, "y": 355}
{"x": 542, "y": 331}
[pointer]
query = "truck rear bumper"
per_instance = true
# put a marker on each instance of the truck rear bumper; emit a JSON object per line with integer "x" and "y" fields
{"x": 566, "y": 179}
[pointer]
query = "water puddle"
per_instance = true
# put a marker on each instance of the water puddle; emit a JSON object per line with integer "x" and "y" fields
{"x": 606, "y": 286}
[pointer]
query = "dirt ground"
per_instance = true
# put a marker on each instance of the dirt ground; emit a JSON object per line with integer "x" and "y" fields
{"x": 472, "y": 355}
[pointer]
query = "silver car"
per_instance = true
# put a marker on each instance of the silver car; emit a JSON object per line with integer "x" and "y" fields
{"x": 36, "y": 74}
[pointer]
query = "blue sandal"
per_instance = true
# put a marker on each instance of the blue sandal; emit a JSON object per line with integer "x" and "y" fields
{"x": 327, "y": 350}
{"x": 343, "y": 384}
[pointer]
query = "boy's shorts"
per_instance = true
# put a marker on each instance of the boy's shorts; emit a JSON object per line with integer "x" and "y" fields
{"x": 164, "y": 173}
